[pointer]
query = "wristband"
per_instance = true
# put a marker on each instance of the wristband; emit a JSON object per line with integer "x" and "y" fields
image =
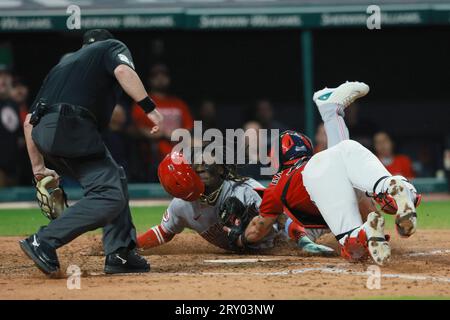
{"x": 244, "y": 241}
{"x": 147, "y": 104}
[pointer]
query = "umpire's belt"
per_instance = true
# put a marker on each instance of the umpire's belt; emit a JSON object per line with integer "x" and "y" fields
{"x": 69, "y": 109}
{"x": 61, "y": 108}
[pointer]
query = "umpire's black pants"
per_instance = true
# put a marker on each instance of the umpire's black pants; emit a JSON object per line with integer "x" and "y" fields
{"x": 104, "y": 204}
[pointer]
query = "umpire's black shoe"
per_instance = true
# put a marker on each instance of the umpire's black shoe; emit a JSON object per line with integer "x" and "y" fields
{"x": 125, "y": 261}
{"x": 43, "y": 256}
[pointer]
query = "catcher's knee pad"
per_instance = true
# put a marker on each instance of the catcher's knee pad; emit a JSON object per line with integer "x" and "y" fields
{"x": 355, "y": 248}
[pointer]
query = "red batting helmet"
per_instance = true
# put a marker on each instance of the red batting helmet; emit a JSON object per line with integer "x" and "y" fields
{"x": 179, "y": 179}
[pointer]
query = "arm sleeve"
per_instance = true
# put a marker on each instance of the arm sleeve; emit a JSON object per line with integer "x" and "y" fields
{"x": 173, "y": 221}
{"x": 154, "y": 237}
{"x": 116, "y": 54}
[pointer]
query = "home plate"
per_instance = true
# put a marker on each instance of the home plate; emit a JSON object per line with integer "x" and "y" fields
{"x": 240, "y": 260}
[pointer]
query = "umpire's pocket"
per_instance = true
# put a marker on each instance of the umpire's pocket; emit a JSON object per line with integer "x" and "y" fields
{"x": 77, "y": 137}
{"x": 44, "y": 132}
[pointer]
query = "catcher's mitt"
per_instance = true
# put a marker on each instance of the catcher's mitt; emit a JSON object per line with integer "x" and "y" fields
{"x": 236, "y": 216}
{"x": 50, "y": 196}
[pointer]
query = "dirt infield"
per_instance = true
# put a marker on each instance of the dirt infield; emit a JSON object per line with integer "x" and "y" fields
{"x": 420, "y": 267}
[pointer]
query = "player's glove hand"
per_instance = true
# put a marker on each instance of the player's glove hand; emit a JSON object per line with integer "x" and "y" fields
{"x": 233, "y": 212}
{"x": 236, "y": 217}
{"x": 50, "y": 196}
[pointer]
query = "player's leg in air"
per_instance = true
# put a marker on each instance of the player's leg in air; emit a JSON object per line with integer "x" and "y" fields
{"x": 331, "y": 176}
{"x": 331, "y": 103}
{"x": 332, "y": 114}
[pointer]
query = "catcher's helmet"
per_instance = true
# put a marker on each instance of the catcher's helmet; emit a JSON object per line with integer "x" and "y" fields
{"x": 179, "y": 179}
{"x": 294, "y": 146}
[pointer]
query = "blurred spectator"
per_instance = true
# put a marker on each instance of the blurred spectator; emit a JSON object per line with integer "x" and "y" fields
{"x": 446, "y": 161}
{"x": 19, "y": 94}
{"x": 425, "y": 166}
{"x": 320, "y": 139}
{"x": 360, "y": 128}
{"x": 10, "y": 130}
{"x": 208, "y": 114}
{"x": 264, "y": 114}
{"x": 175, "y": 111}
{"x": 252, "y": 168}
{"x": 395, "y": 164}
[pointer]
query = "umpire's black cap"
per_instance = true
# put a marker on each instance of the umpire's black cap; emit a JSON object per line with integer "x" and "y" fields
{"x": 95, "y": 35}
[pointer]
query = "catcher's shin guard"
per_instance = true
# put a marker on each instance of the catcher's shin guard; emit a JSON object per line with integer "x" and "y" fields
{"x": 355, "y": 249}
{"x": 370, "y": 240}
{"x": 388, "y": 204}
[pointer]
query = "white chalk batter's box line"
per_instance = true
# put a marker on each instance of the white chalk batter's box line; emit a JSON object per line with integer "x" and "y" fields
{"x": 337, "y": 268}
{"x": 427, "y": 253}
{"x": 317, "y": 269}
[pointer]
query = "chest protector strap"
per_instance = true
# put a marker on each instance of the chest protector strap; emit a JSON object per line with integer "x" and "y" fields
{"x": 305, "y": 218}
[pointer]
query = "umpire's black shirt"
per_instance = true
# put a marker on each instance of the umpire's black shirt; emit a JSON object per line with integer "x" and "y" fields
{"x": 86, "y": 78}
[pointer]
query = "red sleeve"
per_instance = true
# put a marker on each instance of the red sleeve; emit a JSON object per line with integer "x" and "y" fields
{"x": 154, "y": 237}
{"x": 271, "y": 205}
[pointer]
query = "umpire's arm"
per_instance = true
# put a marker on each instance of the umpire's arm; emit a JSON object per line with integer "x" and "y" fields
{"x": 36, "y": 158}
{"x": 132, "y": 85}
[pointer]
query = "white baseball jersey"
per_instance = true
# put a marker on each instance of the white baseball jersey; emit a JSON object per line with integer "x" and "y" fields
{"x": 204, "y": 218}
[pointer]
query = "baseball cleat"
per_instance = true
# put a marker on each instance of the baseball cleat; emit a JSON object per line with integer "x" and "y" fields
{"x": 406, "y": 216}
{"x": 344, "y": 95}
{"x": 310, "y": 247}
{"x": 43, "y": 256}
{"x": 377, "y": 243}
{"x": 126, "y": 261}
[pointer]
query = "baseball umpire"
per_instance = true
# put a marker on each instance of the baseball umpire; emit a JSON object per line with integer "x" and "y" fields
{"x": 63, "y": 130}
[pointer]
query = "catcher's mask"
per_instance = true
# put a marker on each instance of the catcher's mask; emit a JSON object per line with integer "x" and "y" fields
{"x": 293, "y": 146}
{"x": 179, "y": 179}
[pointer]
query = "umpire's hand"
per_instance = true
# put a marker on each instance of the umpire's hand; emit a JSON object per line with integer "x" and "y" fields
{"x": 156, "y": 118}
{"x": 40, "y": 173}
